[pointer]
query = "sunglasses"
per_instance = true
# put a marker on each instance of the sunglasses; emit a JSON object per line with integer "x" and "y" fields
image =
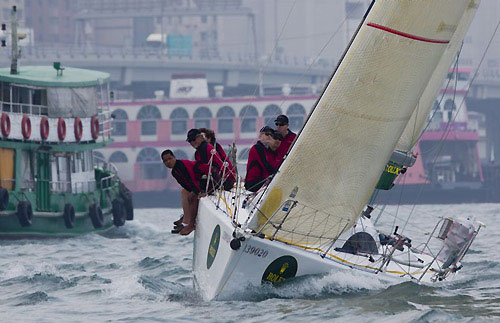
{"x": 279, "y": 124}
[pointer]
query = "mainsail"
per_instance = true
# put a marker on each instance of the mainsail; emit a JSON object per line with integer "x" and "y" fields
{"x": 350, "y": 135}
{"x": 415, "y": 126}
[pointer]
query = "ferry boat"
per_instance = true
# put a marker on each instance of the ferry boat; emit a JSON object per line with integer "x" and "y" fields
{"x": 51, "y": 184}
{"x": 143, "y": 128}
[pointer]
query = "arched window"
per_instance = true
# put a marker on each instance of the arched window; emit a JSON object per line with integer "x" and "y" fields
{"x": 248, "y": 116}
{"x": 202, "y": 117}
{"x": 225, "y": 120}
{"x": 243, "y": 155}
{"x": 270, "y": 114}
{"x": 98, "y": 155}
{"x": 180, "y": 154}
{"x": 120, "y": 118}
{"x": 295, "y": 115}
{"x": 118, "y": 157}
{"x": 149, "y": 114}
{"x": 450, "y": 105}
{"x": 150, "y": 165}
{"x": 179, "y": 119}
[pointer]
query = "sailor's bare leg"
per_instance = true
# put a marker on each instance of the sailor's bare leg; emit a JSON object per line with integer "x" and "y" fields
{"x": 186, "y": 208}
{"x": 190, "y": 216}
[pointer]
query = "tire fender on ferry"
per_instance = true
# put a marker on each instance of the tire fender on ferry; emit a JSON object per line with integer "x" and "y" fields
{"x": 4, "y": 198}
{"x": 126, "y": 195}
{"x": 96, "y": 216}
{"x": 61, "y": 129}
{"x": 94, "y": 127}
{"x": 78, "y": 129}
{"x": 5, "y": 125}
{"x": 25, "y": 213}
{"x": 44, "y": 128}
{"x": 119, "y": 212}
{"x": 26, "y": 127}
{"x": 69, "y": 216}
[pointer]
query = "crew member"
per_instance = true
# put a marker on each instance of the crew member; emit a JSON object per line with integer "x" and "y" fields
{"x": 204, "y": 154}
{"x": 187, "y": 173}
{"x": 274, "y": 143}
{"x": 258, "y": 166}
{"x": 282, "y": 124}
{"x": 230, "y": 173}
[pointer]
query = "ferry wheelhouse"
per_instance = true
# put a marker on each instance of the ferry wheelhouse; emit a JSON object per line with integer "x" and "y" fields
{"x": 51, "y": 184}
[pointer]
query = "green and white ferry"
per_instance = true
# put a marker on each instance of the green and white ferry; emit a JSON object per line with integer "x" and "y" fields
{"x": 51, "y": 185}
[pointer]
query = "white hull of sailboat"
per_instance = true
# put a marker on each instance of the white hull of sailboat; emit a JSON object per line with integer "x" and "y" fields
{"x": 219, "y": 271}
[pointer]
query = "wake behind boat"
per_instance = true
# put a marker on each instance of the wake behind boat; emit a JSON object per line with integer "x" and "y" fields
{"x": 314, "y": 216}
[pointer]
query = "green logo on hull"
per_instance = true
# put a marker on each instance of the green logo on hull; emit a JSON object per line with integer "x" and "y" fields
{"x": 280, "y": 269}
{"x": 213, "y": 247}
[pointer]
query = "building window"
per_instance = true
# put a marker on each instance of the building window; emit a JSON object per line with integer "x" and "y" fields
{"x": 243, "y": 155}
{"x": 248, "y": 116}
{"x": 202, "y": 117}
{"x": 120, "y": 118}
{"x": 118, "y": 157}
{"x": 150, "y": 166}
{"x": 270, "y": 114}
{"x": 179, "y": 119}
{"x": 180, "y": 154}
{"x": 450, "y": 105}
{"x": 225, "y": 120}
{"x": 295, "y": 115}
{"x": 98, "y": 155}
{"x": 149, "y": 114}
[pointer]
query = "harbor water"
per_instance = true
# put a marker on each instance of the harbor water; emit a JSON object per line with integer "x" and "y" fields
{"x": 142, "y": 273}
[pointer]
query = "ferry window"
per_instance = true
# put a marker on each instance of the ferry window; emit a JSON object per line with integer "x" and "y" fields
{"x": 180, "y": 154}
{"x": 20, "y": 99}
{"x": 98, "y": 155}
{"x": 149, "y": 114}
{"x": 149, "y": 163}
{"x": 118, "y": 157}
{"x": 270, "y": 114}
{"x": 39, "y": 101}
{"x": 295, "y": 115}
{"x": 5, "y": 96}
{"x": 450, "y": 105}
{"x": 225, "y": 120}
{"x": 248, "y": 116}
{"x": 120, "y": 118}
{"x": 202, "y": 117}
{"x": 179, "y": 119}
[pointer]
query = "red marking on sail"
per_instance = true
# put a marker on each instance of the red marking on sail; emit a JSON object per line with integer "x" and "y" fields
{"x": 410, "y": 36}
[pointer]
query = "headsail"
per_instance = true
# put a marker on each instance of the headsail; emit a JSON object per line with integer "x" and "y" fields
{"x": 415, "y": 126}
{"x": 349, "y": 137}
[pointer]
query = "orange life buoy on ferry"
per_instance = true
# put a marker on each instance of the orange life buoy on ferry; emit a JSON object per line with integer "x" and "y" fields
{"x": 5, "y": 124}
{"x": 78, "y": 129}
{"x": 94, "y": 127}
{"x": 61, "y": 129}
{"x": 44, "y": 128}
{"x": 26, "y": 127}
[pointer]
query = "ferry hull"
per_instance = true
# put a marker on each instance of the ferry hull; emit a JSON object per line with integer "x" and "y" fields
{"x": 49, "y": 226}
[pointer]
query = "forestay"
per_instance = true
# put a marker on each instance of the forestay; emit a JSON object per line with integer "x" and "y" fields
{"x": 350, "y": 135}
{"x": 415, "y": 126}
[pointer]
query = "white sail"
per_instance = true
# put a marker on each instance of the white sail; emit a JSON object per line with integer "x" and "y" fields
{"x": 415, "y": 126}
{"x": 349, "y": 137}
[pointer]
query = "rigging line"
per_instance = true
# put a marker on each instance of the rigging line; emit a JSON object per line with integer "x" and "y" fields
{"x": 460, "y": 107}
{"x": 399, "y": 203}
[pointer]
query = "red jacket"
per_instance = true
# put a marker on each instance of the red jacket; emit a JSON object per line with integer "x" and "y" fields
{"x": 258, "y": 167}
{"x": 203, "y": 155}
{"x": 188, "y": 174}
{"x": 285, "y": 145}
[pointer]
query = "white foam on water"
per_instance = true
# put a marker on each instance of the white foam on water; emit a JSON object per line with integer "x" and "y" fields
{"x": 18, "y": 269}
{"x": 124, "y": 286}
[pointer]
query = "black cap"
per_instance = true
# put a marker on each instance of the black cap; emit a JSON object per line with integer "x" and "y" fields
{"x": 283, "y": 119}
{"x": 192, "y": 134}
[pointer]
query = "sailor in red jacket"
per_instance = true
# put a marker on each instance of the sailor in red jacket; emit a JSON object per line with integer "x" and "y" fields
{"x": 203, "y": 154}
{"x": 282, "y": 124}
{"x": 258, "y": 166}
{"x": 188, "y": 174}
{"x": 274, "y": 143}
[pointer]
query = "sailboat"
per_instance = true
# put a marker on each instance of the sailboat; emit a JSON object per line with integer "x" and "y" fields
{"x": 314, "y": 216}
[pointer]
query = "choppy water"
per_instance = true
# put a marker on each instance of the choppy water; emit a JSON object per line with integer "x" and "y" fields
{"x": 142, "y": 273}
